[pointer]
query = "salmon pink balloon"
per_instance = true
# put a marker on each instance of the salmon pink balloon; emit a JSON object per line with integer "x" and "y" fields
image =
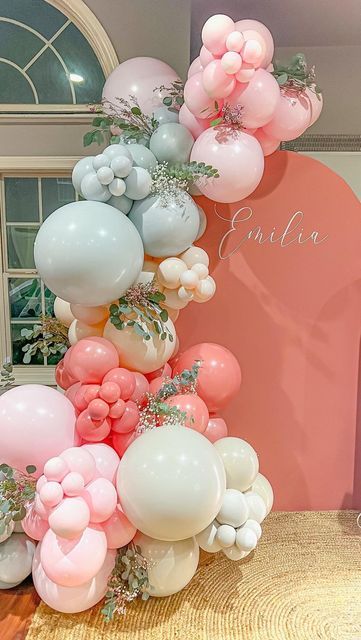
{"x": 194, "y": 407}
{"x": 316, "y": 102}
{"x": 117, "y": 409}
{"x": 258, "y": 99}
{"x": 101, "y": 498}
{"x": 71, "y": 392}
{"x": 219, "y": 377}
{"x": 129, "y": 419}
{"x": 118, "y": 530}
{"x": 121, "y": 441}
{"x": 195, "y": 125}
{"x": 92, "y": 431}
{"x": 291, "y": 118}
{"x": 156, "y": 385}
{"x": 163, "y": 372}
{"x": 216, "y": 82}
{"x": 98, "y": 409}
{"x": 238, "y": 158}
{"x": 91, "y": 358}
{"x": 215, "y": 32}
{"x": 106, "y": 459}
{"x": 216, "y": 429}
{"x": 268, "y": 144}
{"x": 62, "y": 377}
{"x": 197, "y": 100}
{"x": 141, "y": 387}
{"x": 110, "y": 392}
{"x": 124, "y": 379}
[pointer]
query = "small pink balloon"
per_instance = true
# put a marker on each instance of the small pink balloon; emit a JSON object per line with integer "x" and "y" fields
{"x": 258, "y": 99}
{"x": 253, "y": 52}
{"x": 195, "y": 125}
{"x": 92, "y": 431}
{"x": 246, "y": 73}
{"x": 91, "y": 392}
{"x": 117, "y": 409}
{"x": 73, "y": 484}
{"x": 110, "y": 392}
{"x": 79, "y": 459}
{"x": 205, "y": 57}
{"x": 70, "y": 518}
{"x": 216, "y": 82}
{"x": 98, "y": 409}
{"x": 198, "y": 101}
{"x": 43, "y": 480}
{"x": 194, "y": 407}
{"x": 71, "y": 392}
{"x": 121, "y": 441}
{"x": 195, "y": 67}
{"x": 106, "y": 460}
{"x": 71, "y": 563}
{"x": 40, "y": 508}
{"x": 124, "y": 379}
{"x": 216, "y": 429}
{"x": 141, "y": 387}
{"x": 291, "y": 118}
{"x": 235, "y": 41}
{"x": 129, "y": 419}
{"x": 215, "y": 32}
{"x": 51, "y": 494}
{"x": 118, "y": 530}
{"x": 268, "y": 144}
{"x": 156, "y": 385}
{"x": 34, "y": 526}
{"x": 101, "y": 498}
{"x": 231, "y": 62}
{"x": 163, "y": 372}
{"x": 72, "y": 599}
{"x": 91, "y": 358}
{"x": 245, "y": 26}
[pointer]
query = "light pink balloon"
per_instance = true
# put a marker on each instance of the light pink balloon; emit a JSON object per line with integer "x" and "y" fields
{"x": 141, "y": 387}
{"x": 205, "y": 57}
{"x": 106, "y": 460}
{"x": 129, "y": 419}
{"x": 118, "y": 530}
{"x": 70, "y": 518}
{"x": 316, "y": 105}
{"x": 36, "y": 423}
{"x": 254, "y": 25}
{"x": 51, "y": 494}
{"x": 237, "y": 156}
{"x": 54, "y": 469}
{"x": 194, "y": 408}
{"x": 195, "y": 67}
{"x": 34, "y": 526}
{"x": 80, "y": 459}
{"x": 40, "y": 508}
{"x": 216, "y": 429}
{"x": 292, "y": 117}
{"x": 258, "y": 98}
{"x": 215, "y": 32}
{"x": 246, "y": 73}
{"x": 268, "y": 144}
{"x": 91, "y": 358}
{"x": 72, "y": 599}
{"x": 198, "y": 101}
{"x": 70, "y": 563}
{"x": 101, "y": 498}
{"x": 139, "y": 77}
{"x": 216, "y": 82}
{"x": 195, "y": 125}
{"x": 73, "y": 484}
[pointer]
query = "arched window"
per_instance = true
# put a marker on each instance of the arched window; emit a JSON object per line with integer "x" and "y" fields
{"x": 54, "y": 56}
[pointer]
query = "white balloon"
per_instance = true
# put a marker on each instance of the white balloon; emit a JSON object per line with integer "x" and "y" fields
{"x": 254, "y": 526}
{"x": 234, "y": 509}
{"x": 171, "y": 564}
{"x": 122, "y": 203}
{"x": 240, "y": 462}
{"x": 256, "y": 506}
{"x": 87, "y": 253}
{"x": 226, "y": 535}
{"x": 91, "y": 189}
{"x": 117, "y": 187}
{"x": 16, "y": 557}
{"x": 246, "y": 539}
{"x": 81, "y": 169}
{"x": 233, "y": 553}
{"x": 205, "y": 290}
{"x": 115, "y": 150}
{"x": 63, "y": 312}
{"x": 263, "y": 487}
{"x": 207, "y": 539}
{"x": 171, "y": 483}
{"x": 121, "y": 166}
{"x": 101, "y": 160}
{"x": 105, "y": 175}
{"x": 138, "y": 183}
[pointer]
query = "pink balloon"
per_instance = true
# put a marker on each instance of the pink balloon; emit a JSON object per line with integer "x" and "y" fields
{"x": 62, "y": 377}
{"x": 54, "y": 469}
{"x": 268, "y": 144}
{"x": 195, "y": 408}
{"x": 106, "y": 460}
{"x": 129, "y": 419}
{"x": 36, "y": 423}
{"x": 246, "y": 72}
{"x": 198, "y": 101}
{"x": 91, "y": 358}
{"x": 258, "y": 98}
{"x": 101, "y": 498}
{"x": 109, "y": 392}
{"x": 71, "y": 392}
{"x": 156, "y": 385}
{"x": 40, "y": 508}
{"x": 231, "y": 62}
{"x": 216, "y": 429}
{"x": 215, "y": 32}
{"x": 292, "y": 117}
{"x": 73, "y": 484}
{"x": 195, "y": 67}
{"x": 34, "y": 526}
{"x": 139, "y": 77}
{"x": 195, "y": 125}
{"x": 117, "y": 409}
{"x": 72, "y": 599}
{"x": 51, "y": 494}
{"x": 163, "y": 372}
{"x": 98, "y": 409}
{"x": 70, "y": 563}
{"x": 118, "y": 530}
{"x": 80, "y": 459}
{"x": 121, "y": 441}
{"x": 124, "y": 379}
{"x": 216, "y": 82}
{"x": 205, "y": 57}
{"x": 259, "y": 27}
{"x": 141, "y": 387}
{"x": 237, "y": 156}
{"x": 219, "y": 377}
{"x": 70, "y": 518}
{"x": 316, "y": 104}
{"x": 90, "y": 430}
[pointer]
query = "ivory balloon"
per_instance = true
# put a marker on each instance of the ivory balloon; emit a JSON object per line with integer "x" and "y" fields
{"x": 16, "y": 557}
{"x": 171, "y": 564}
{"x": 240, "y": 462}
{"x": 263, "y": 487}
{"x": 234, "y": 509}
{"x": 169, "y": 272}
{"x": 79, "y": 330}
{"x": 171, "y": 483}
{"x": 207, "y": 539}
{"x": 63, "y": 312}
{"x": 89, "y": 315}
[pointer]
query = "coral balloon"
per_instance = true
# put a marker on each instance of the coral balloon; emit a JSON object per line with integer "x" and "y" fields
{"x": 258, "y": 99}
{"x": 316, "y": 102}
{"x": 129, "y": 420}
{"x": 124, "y": 379}
{"x": 62, "y": 377}
{"x": 215, "y": 32}
{"x": 141, "y": 387}
{"x": 216, "y": 82}
{"x": 197, "y": 100}
{"x": 91, "y": 359}
{"x": 121, "y": 442}
{"x": 291, "y": 118}
{"x": 197, "y": 415}
{"x": 219, "y": 376}
{"x": 92, "y": 431}
{"x": 118, "y": 530}
{"x": 216, "y": 429}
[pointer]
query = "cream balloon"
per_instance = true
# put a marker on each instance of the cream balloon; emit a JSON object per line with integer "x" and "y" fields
{"x": 256, "y": 506}
{"x": 240, "y": 462}
{"x": 89, "y": 315}
{"x": 16, "y": 557}
{"x": 195, "y": 255}
{"x": 138, "y": 354}
{"x": 234, "y": 510}
{"x": 79, "y": 330}
{"x": 263, "y": 487}
{"x": 173, "y": 315}
{"x": 226, "y": 535}
{"x": 207, "y": 539}
{"x": 233, "y": 553}
{"x": 63, "y": 312}
{"x": 171, "y": 564}
{"x": 171, "y": 483}
{"x": 173, "y": 300}
{"x": 169, "y": 272}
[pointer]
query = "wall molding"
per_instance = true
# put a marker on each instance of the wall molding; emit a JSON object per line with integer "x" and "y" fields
{"x": 338, "y": 142}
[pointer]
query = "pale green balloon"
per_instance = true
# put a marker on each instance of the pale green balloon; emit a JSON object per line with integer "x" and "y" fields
{"x": 171, "y": 142}
{"x": 142, "y": 157}
{"x": 122, "y": 203}
{"x": 163, "y": 115}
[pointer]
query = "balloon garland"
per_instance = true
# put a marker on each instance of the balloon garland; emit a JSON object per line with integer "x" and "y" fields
{"x": 124, "y": 476}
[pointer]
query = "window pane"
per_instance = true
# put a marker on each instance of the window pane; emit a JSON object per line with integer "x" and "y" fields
{"x": 18, "y": 44}
{"x": 18, "y": 341}
{"x": 21, "y": 247}
{"x": 21, "y": 200}
{"x": 14, "y": 87}
{"x": 39, "y": 15}
{"x": 25, "y": 298}
{"x": 50, "y": 79}
{"x": 55, "y": 193}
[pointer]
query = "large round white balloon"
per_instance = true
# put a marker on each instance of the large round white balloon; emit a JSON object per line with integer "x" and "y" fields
{"x": 240, "y": 462}
{"x": 88, "y": 253}
{"x": 171, "y": 483}
{"x": 16, "y": 557}
{"x": 171, "y": 565}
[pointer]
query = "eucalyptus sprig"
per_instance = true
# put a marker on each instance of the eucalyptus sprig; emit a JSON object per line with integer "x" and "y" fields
{"x": 7, "y": 377}
{"x": 191, "y": 171}
{"x": 17, "y": 490}
{"x": 50, "y": 338}
{"x": 121, "y": 121}
{"x": 174, "y": 97}
{"x": 140, "y": 308}
{"x": 128, "y": 581}
{"x": 184, "y": 382}
{"x": 296, "y": 76}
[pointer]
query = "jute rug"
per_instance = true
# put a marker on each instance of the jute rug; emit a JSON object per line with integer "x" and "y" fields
{"x": 302, "y": 583}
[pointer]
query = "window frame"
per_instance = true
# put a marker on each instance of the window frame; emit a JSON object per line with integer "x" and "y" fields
{"x": 25, "y": 167}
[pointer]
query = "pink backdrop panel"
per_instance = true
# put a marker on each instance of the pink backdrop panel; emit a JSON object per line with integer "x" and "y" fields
{"x": 288, "y": 304}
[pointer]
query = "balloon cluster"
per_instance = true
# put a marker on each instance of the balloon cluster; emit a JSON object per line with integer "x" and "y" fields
{"x": 186, "y": 278}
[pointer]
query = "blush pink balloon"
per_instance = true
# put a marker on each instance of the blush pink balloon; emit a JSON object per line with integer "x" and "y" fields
{"x": 80, "y": 459}
{"x": 316, "y": 104}
{"x": 70, "y": 518}
{"x": 194, "y": 407}
{"x": 216, "y": 429}
{"x": 124, "y": 379}
{"x": 34, "y": 526}
{"x": 92, "y": 431}
{"x": 73, "y": 484}
{"x": 62, "y": 377}
{"x": 106, "y": 460}
{"x": 36, "y": 423}
{"x": 268, "y": 144}
{"x": 261, "y": 29}
{"x": 219, "y": 377}
{"x": 292, "y": 117}
{"x": 101, "y": 498}
{"x": 91, "y": 358}
{"x": 121, "y": 441}
{"x": 54, "y": 469}
{"x": 70, "y": 563}
{"x": 72, "y": 599}
{"x": 198, "y": 101}
{"x": 195, "y": 125}
{"x": 40, "y": 508}
{"x": 258, "y": 99}
{"x": 141, "y": 387}
{"x": 51, "y": 493}
{"x": 195, "y": 67}
{"x": 118, "y": 530}
{"x": 139, "y": 77}
{"x": 215, "y": 32}
{"x": 129, "y": 419}
{"x": 216, "y": 82}
{"x": 205, "y": 57}
{"x": 239, "y": 160}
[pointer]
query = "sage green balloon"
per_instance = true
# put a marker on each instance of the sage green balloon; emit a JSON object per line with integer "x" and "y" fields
{"x": 171, "y": 142}
{"x": 142, "y": 157}
{"x": 163, "y": 115}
